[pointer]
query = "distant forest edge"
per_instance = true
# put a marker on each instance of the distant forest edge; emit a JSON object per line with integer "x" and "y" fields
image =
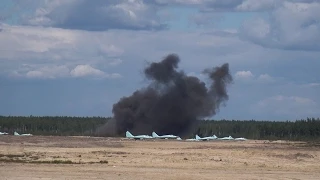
{"x": 305, "y": 129}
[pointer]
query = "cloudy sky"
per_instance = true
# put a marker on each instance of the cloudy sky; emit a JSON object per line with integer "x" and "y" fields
{"x": 78, "y": 57}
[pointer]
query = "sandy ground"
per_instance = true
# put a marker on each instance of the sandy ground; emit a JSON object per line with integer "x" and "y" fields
{"x": 49, "y": 157}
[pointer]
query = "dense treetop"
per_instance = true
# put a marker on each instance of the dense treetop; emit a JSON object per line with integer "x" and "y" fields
{"x": 305, "y": 129}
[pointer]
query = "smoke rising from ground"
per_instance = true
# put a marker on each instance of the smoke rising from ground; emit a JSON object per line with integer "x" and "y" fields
{"x": 172, "y": 102}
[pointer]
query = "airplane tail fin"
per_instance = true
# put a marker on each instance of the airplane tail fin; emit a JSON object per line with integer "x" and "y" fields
{"x": 197, "y": 137}
{"x": 154, "y": 134}
{"x": 128, "y": 134}
{"x": 16, "y": 134}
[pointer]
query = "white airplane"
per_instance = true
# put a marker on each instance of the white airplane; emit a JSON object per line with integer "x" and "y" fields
{"x": 241, "y": 139}
{"x": 130, "y": 136}
{"x": 192, "y": 139}
{"x": 155, "y": 135}
{"x": 3, "y": 133}
{"x": 227, "y": 138}
{"x": 214, "y": 137}
{"x": 17, "y": 134}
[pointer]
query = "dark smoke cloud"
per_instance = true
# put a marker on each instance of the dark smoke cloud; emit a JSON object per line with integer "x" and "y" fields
{"x": 173, "y": 101}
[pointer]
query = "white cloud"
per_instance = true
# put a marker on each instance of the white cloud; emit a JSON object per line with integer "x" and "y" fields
{"x": 35, "y": 50}
{"x": 61, "y": 71}
{"x": 42, "y": 46}
{"x": 248, "y": 76}
{"x": 244, "y": 75}
{"x": 231, "y": 5}
{"x": 28, "y": 39}
{"x": 85, "y": 70}
{"x": 86, "y": 14}
{"x": 111, "y": 50}
{"x": 292, "y": 26}
{"x": 180, "y": 2}
{"x": 254, "y": 5}
{"x": 197, "y": 50}
{"x": 45, "y": 72}
{"x": 265, "y": 78}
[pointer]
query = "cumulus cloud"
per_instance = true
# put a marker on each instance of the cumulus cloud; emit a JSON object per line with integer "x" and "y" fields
{"x": 60, "y": 71}
{"x": 89, "y": 15}
{"x": 250, "y": 77}
{"x": 234, "y": 5}
{"x": 244, "y": 75}
{"x": 87, "y": 70}
{"x": 42, "y": 47}
{"x": 230, "y": 5}
{"x": 179, "y": 2}
{"x": 253, "y": 5}
{"x": 51, "y": 41}
{"x": 292, "y": 26}
{"x": 292, "y": 106}
{"x": 265, "y": 78}
{"x": 45, "y": 72}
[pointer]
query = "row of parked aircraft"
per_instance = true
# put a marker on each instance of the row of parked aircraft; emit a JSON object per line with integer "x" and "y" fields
{"x": 3, "y": 133}
{"x": 197, "y": 138}
{"x": 15, "y": 133}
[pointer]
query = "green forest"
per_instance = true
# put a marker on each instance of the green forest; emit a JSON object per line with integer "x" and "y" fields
{"x": 304, "y": 129}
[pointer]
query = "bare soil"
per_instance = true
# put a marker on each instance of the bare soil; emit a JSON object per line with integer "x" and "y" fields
{"x": 53, "y": 157}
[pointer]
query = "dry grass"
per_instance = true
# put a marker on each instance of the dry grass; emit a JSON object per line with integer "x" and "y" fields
{"x": 39, "y": 157}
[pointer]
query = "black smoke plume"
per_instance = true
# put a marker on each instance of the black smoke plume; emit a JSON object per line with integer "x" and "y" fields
{"x": 173, "y": 101}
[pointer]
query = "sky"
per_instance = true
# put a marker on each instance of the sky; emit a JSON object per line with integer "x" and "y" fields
{"x": 79, "y": 57}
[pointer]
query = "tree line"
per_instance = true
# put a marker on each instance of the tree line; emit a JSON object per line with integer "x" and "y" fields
{"x": 51, "y": 125}
{"x": 304, "y": 129}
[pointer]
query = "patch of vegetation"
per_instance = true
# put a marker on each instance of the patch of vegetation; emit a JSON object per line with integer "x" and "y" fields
{"x": 104, "y": 162}
{"x": 294, "y": 156}
{"x": 57, "y": 162}
{"x": 14, "y": 158}
{"x": 109, "y": 152}
{"x": 300, "y": 130}
{"x": 12, "y": 155}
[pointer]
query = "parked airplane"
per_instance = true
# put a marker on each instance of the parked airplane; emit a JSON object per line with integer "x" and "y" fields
{"x": 130, "y": 136}
{"x": 192, "y": 139}
{"x": 155, "y": 135}
{"x": 3, "y": 133}
{"x": 227, "y": 138}
{"x": 241, "y": 139}
{"x": 206, "y": 138}
{"x": 17, "y": 134}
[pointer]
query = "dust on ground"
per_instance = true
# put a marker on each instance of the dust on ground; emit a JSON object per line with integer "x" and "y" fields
{"x": 54, "y": 157}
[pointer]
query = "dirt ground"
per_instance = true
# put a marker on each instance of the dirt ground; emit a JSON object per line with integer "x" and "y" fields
{"x": 52, "y": 157}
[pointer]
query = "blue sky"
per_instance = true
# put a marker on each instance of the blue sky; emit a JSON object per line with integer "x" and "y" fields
{"x": 78, "y": 58}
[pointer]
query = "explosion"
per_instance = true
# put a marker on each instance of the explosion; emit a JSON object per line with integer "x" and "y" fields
{"x": 172, "y": 102}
